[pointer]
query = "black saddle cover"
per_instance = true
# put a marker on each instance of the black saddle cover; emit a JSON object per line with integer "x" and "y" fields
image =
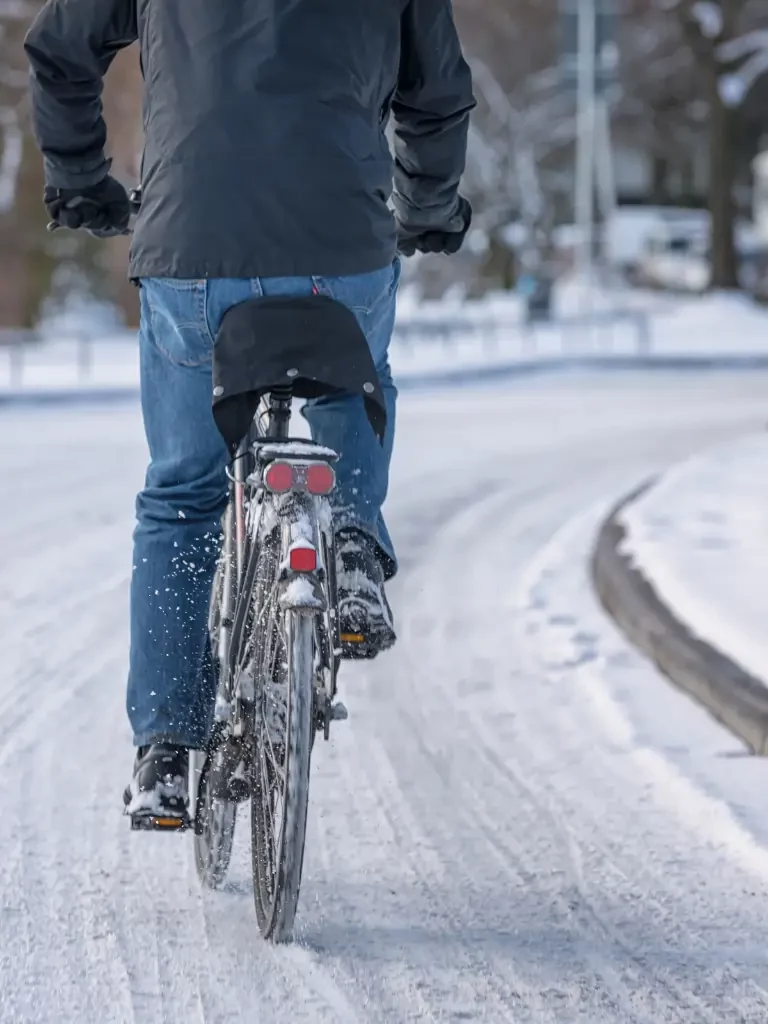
{"x": 313, "y": 343}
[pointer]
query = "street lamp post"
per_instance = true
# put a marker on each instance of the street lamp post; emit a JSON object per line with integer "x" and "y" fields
{"x": 589, "y": 63}
{"x": 585, "y": 140}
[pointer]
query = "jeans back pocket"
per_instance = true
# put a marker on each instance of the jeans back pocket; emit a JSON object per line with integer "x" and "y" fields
{"x": 175, "y": 311}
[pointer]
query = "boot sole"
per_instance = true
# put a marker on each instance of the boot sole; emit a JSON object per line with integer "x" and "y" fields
{"x": 146, "y": 821}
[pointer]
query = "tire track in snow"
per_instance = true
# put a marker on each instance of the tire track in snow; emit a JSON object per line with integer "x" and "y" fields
{"x": 407, "y": 900}
{"x": 461, "y": 535}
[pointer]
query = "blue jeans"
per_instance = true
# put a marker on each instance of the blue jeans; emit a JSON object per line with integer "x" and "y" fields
{"x": 171, "y": 684}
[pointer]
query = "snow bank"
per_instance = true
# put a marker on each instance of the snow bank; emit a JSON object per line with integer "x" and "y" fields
{"x": 723, "y": 323}
{"x": 700, "y": 537}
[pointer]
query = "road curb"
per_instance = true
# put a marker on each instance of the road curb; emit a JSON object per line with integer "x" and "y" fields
{"x": 734, "y": 697}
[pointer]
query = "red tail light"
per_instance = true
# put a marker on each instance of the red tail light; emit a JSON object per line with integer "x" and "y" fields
{"x": 279, "y": 477}
{"x": 302, "y": 559}
{"x": 321, "y": 479}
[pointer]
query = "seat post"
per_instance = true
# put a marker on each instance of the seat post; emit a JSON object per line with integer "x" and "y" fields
{"x": 279, "y": 411}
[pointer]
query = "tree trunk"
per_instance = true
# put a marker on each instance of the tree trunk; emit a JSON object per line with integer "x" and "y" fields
{"x": 721, "y": 185}
{"x": 659, "y": 187}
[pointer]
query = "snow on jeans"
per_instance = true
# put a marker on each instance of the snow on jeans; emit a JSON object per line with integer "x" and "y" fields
{"x": 171, "y": 683}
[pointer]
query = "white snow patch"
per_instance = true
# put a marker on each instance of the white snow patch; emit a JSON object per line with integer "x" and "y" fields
{"x": 709, "y": 17}
{"x": 299, "y": 591}
{"x": 153, "y": 800}
{"x": 294, "y": 450}
{"x": 302, "y": 534}
{"x": 733, "y": 89}
{"x": 752, "y": 50}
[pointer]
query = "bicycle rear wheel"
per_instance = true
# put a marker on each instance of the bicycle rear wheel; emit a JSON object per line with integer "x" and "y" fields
{"x": 283, "y": 720}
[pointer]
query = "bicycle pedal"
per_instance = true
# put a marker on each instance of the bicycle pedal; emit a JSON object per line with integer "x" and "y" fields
{"x": 146, "y": 821}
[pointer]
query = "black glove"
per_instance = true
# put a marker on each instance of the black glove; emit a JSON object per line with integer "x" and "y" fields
{"x": 103, "y": 210}
{"x": 446, "y": 240}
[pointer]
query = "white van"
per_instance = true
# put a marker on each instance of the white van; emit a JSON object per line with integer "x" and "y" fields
{"x": 628, "y": 230}
{"x": 677, "y": 255}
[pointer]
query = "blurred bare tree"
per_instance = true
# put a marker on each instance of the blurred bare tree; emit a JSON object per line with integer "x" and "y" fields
{"x": 37, "y": 268}
{"x": 689, "y": 72}
{"x": 26, "y": 264}
{"x": 707, "y": 25}
{"x": 688, "y": 95}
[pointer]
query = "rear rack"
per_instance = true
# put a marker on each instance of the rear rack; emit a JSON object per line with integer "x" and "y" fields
{"x": 271, "y": 448}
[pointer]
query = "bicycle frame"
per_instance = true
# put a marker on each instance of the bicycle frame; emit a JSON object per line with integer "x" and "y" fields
{"x": 300, "y": 517}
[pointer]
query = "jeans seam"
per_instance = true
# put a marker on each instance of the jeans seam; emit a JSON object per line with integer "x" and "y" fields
{"x": 204, "y": 317}
{"x": 179, "y": 285}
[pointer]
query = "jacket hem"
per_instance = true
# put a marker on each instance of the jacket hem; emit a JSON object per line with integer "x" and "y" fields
{"x": 320, "y": 265}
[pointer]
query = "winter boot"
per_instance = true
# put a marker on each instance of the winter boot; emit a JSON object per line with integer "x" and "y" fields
{"x": 365, "y": 618}
{"x": 158, "y": 796}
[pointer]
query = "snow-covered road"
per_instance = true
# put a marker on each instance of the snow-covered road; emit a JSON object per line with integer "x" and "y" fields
{"x": 484, "y": 844}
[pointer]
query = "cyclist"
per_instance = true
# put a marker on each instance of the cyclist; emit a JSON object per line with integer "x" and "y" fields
{"x": 266, "y": 171}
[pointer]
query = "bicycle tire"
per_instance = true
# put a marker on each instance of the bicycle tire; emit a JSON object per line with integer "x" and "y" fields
{"x": 277, "y": 861}
{"x": 214, "y": 833}
{"x": 214, "y": 817}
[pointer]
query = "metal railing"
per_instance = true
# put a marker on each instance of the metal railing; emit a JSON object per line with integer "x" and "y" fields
{"x": 15, "y": 344}
{"x": 602, "y": 331}
{"x": 26, "y": 359}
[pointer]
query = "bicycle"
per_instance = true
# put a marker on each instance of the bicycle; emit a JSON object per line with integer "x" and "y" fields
{"x": 273, "y": 623}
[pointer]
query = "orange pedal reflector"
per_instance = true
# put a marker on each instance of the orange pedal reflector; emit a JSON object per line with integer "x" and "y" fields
{"x": 168, "y": 822}
{"x": 352, "y": 638}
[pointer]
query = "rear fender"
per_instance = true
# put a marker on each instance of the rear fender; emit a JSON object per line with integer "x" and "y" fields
{"x": 301, "y": 591}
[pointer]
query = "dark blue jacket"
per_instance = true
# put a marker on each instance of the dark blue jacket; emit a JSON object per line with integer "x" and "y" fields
{"x": 265, "y": 149}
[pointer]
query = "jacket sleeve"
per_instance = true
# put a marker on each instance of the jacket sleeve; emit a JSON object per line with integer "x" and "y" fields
{"x": 430, "y": 109}
{"x": 70, "y": 47}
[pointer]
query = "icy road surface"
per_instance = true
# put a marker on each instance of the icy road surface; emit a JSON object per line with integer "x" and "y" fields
{"x": 485, "y": 844}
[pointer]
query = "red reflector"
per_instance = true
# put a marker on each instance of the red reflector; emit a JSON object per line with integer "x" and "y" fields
{"x": 320, "y": 478}
{"x": 302, "y": 559}
{"x": 279, "y": 477}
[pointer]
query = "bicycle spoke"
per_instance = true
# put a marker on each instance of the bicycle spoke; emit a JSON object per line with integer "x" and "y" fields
{"x": 277, "y": 766}
{"x": 269, "y": 851}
